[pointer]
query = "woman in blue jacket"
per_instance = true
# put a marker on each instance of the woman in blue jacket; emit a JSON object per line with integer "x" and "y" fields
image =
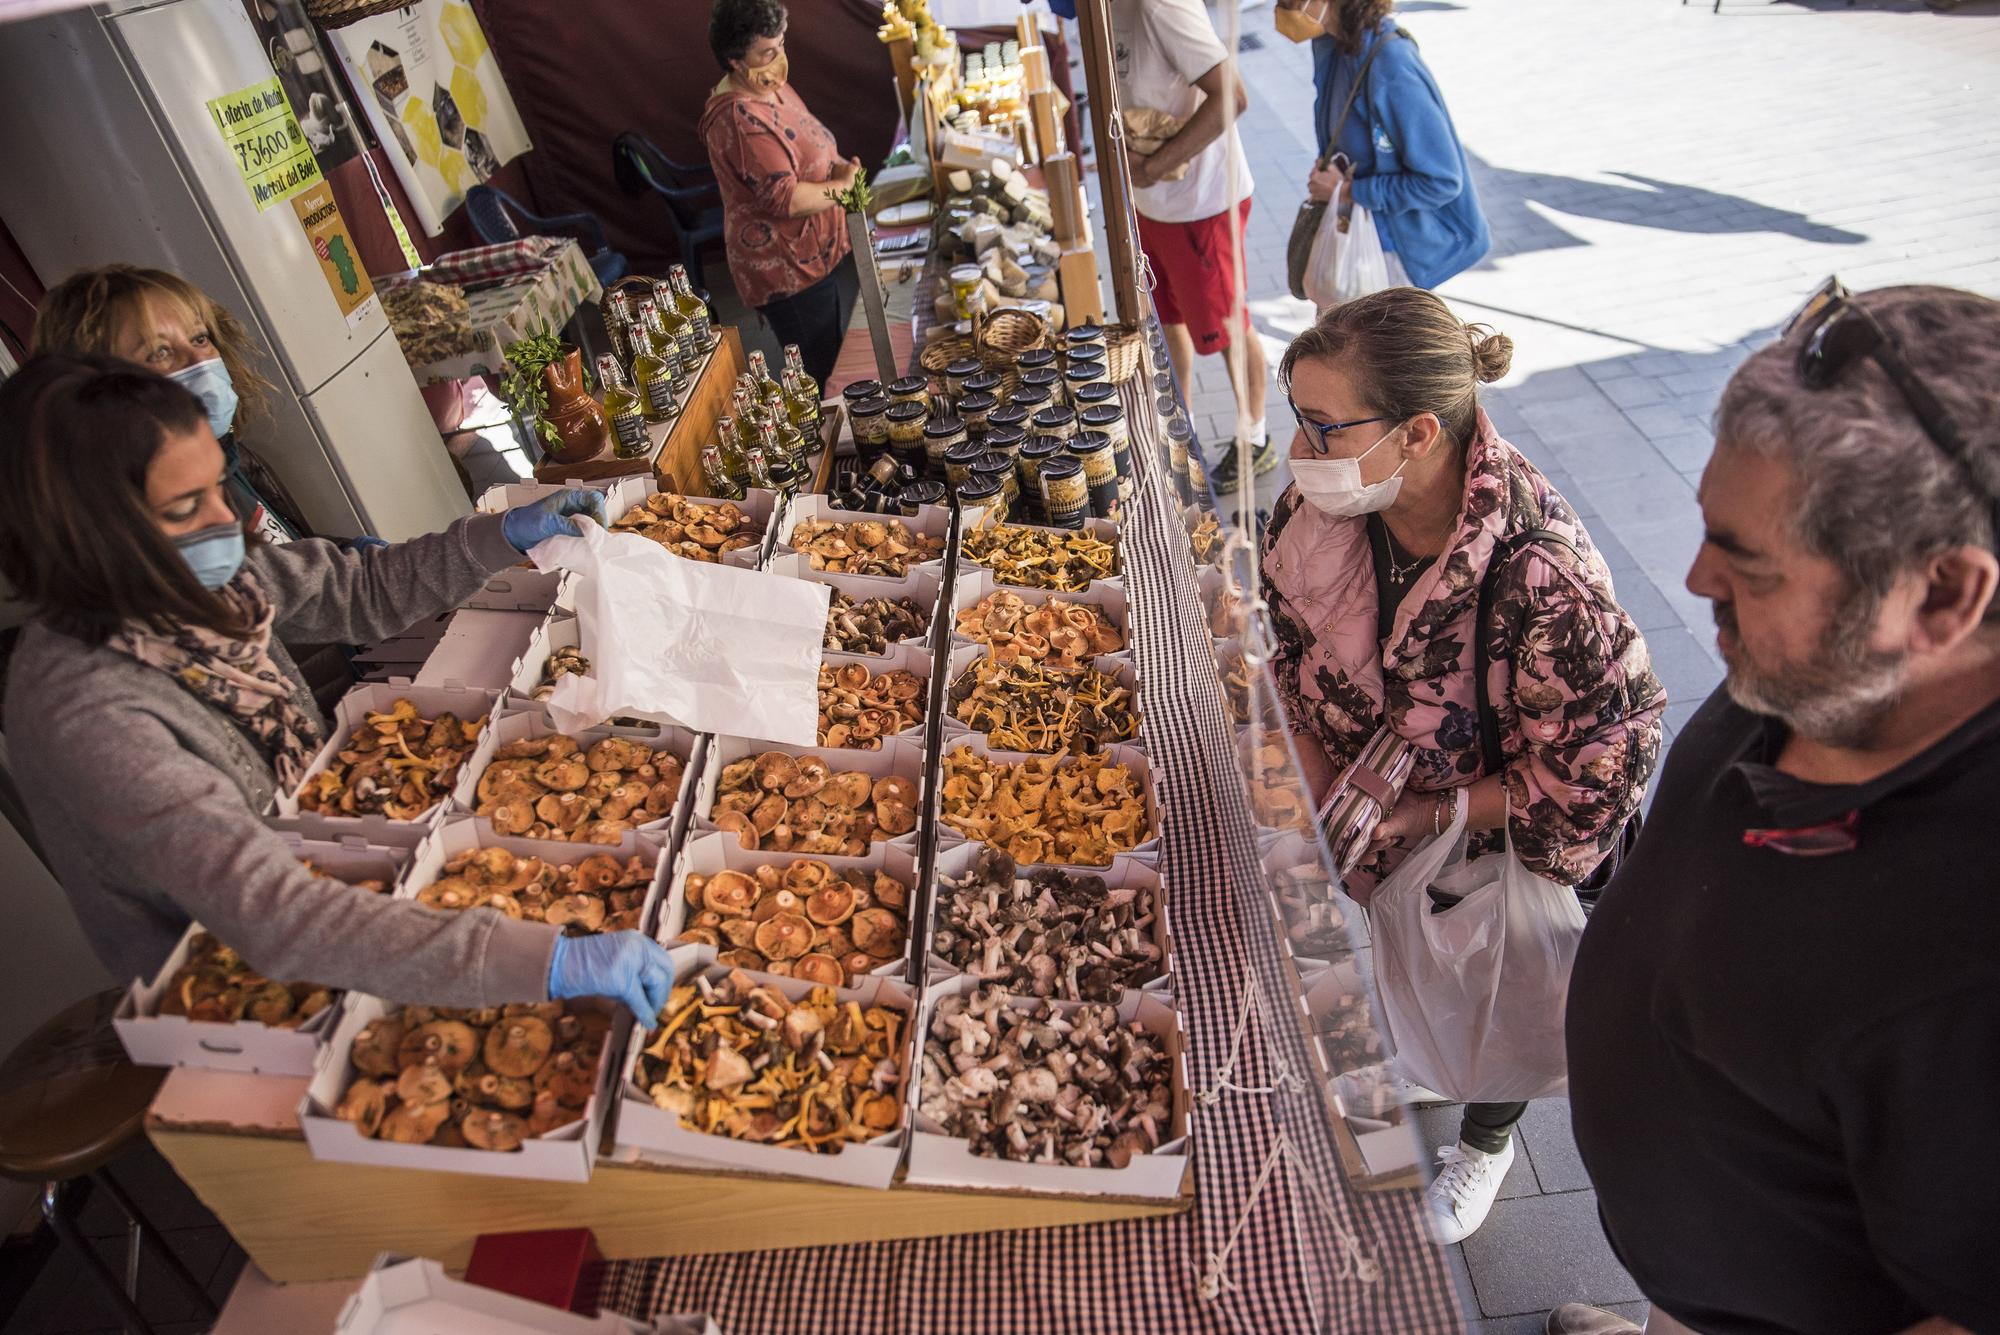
{"x": 1406, "y": 166}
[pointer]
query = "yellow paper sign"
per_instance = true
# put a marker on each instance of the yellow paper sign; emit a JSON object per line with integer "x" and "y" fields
{"x": 260, "y": 129}
{"x": 327, "y": 231}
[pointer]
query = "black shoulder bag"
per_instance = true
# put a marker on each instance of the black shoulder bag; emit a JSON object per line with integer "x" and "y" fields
{"x": 1305, "y": 226}
{"x": 1494, "y": 756}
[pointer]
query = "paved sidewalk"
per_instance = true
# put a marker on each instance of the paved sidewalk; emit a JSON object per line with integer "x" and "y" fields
{"x": 1664, "y": 186}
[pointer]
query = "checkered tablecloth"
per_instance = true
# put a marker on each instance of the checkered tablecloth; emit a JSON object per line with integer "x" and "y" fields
{"x": 1289, "y": 1269}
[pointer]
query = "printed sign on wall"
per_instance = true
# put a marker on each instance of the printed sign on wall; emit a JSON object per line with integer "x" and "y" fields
{"x": 327, "y": 231}
{"x": 271, "y": 150}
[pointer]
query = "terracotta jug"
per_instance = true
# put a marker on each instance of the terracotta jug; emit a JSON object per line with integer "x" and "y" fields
{"x": 582, "y": 429}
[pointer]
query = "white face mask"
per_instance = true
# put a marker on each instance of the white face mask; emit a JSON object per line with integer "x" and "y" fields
{"x": 1335, "y": 487}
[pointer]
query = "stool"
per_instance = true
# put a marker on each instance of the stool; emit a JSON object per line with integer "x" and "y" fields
{"x": 69, "y": 1104}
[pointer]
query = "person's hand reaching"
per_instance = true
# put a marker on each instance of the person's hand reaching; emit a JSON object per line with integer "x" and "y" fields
{"x": 629, "y": 967}
{"x": 526, "y": 526}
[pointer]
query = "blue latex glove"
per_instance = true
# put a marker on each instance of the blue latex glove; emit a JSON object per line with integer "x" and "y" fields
{"x": 626, "y": 966}
{"x": 367, "y": 542}
{"x": 526, "y": 525}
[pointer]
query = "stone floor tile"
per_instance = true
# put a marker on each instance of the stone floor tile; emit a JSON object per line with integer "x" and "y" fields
{"x": 1557, "y": 1164}
{"x": 1536, "y": 1252}
{"x": 1643, "y": 602}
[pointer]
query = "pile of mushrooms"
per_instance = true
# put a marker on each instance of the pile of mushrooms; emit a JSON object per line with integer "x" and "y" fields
{"x": 871, "y": 625}
{"x": 564, "y": 661}
{"x": 693, "y": 530}
{"x": 552, "y": 788}
{"x": 597, "y": 894}
{"x": 800, "y": 804}
{"x": 737, "y": 1058}
{"x": 396, "y": 764}
{"x": 865, "y": 547}
{"x": 858, "y": 708}
{"x": 800, "y": 920}
{"x": 216, "y": 985}
{"x": 1038, "y": 1085}
{"x": 479, "y": 1079}
{"x": 1049, "y": 934}
{"x": 1313, "y": 924}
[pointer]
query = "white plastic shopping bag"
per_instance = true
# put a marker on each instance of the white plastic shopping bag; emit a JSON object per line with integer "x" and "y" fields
{"x": 711, "y": 647}
{"x": 1323, "y": 262}
{"x": 1346, "y": 264}
{"x": 1473, "y": 995}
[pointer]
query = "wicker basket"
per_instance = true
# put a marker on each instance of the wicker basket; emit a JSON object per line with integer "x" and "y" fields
{"x": 997, "y": 342}
{"x": 340, "y": 13}
{"x": 1124, "y": 353}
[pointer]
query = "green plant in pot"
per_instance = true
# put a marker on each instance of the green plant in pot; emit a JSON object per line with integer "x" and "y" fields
{"x": 544, "y": 384}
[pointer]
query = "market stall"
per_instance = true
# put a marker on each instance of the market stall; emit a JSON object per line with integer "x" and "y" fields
{"x": 1014, "y": 990}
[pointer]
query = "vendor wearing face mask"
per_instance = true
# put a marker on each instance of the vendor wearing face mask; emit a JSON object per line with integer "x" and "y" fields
{"x": 166, "y": 324}
{"x": 152, "y": 712}
{"x": 776, "y": 166}
{"x": 1372, "y": 566}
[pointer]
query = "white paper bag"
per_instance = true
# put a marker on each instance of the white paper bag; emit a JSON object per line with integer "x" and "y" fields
{"x": 711, "y": 647}
{"x": 1473, "y": 995}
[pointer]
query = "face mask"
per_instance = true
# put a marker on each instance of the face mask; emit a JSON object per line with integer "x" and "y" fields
{"x": 770, "y": 75}
{"x": 1299, "y": 25}
{"x": 209, "y": 381}
{"x": 1334, "y": 486}
{"x": 214, "y": 553}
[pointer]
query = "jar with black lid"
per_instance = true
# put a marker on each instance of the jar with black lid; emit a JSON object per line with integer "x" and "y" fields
{"x": 1035, "y": 451}
{"x": 941, "y": 436}
{"x": 1034, "y": 400}
{"x": 957, "y": 462}
{"x": 1044, "y": 377}
{"x": 906, "y": 426}
{"x": 857, "y": 390}
{"x": 916, "y": 495}
{"x": 960, "y": 371}
{"x": 1007, "y": 441}
{"x": 986, "y": 382}
{"x": 997, "y": 466}
{"x": 1084, "y": 336}
{"x": 1035, "y": 358}
{"x": 982, "y": 493}
{"x": 1065, "y": 495}
{"x": 870, "y": 420}
{"x": 1109, "y": 418}
{"x": 1056, "y": 421}
{"x": 911, "y": 389}
{"x": 1079, "y": 375}
{"x": 1092, "y": 393}
{"x": 1005, "y": 416}
{"x": 973, "y": 408}
{"x": 1100, "y": 472}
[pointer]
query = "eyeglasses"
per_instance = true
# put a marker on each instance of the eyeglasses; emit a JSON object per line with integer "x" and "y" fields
{"x": 1838, "y": 332}
{"x": 1810, "y": 841}
{"x": 1320, "y": 431}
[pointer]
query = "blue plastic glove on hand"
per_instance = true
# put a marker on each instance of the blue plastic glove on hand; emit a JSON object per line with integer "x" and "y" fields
{"x": 524, "y": 526}
{"x": 626, "y": 966}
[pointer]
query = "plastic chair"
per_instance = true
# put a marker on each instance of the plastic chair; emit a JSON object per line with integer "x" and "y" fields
{"x": 638, "y": 164}
{"x": 70, "y": 1103}
{"x": 492, "y": 212}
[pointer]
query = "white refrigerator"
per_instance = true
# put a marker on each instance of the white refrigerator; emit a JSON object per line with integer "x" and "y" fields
{"x": 108, "y": 152}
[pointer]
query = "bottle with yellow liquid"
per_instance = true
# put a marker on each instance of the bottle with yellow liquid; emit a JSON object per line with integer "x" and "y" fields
{"x": 756, "y": 465}
{"x": 652, "y": 378}
{"x": 625, "y": 409}
{"x": 666, "y": 347}
{"x": 693, "y": 307}
{"x": 715, "y": 473}
{"x": 768, "y": 390}
{"x": 805, "y": 406}
{"x": 675, "y": 322}
{"x": 795, "y": 365}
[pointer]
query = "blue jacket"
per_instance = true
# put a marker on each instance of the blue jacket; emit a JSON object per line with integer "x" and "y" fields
{"x": 1410, "y": 171}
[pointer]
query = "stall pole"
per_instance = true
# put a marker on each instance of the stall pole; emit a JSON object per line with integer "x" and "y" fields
{"x": 863, "y": 243}
{"x": 1113, "y": 172}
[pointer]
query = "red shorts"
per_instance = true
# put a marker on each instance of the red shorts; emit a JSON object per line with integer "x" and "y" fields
{"x": 1195, "y": 275}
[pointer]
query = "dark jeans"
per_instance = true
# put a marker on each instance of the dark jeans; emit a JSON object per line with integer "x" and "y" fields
{"x": 816, "y": 318}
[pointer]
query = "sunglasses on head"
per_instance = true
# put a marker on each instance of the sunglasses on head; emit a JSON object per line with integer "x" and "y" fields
{"x": 1836, "y": 332}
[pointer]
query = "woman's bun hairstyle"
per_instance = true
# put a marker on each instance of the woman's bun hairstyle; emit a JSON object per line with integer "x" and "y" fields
{"x": 1492, "y": 353}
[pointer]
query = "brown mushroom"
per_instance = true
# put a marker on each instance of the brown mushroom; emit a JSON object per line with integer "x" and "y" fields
{"x": 895, "y": 818}
{"x": 890, "y": 892}
{"x": 519, "y": 1046}
{"x": 550, "y": 1115}
{"x": 847, "y": 791}
{"x": 565, "y": 776}
{"x": 858, "y": 963}
{"x": 730, "y": 893}
{"x": 364, "y": 1104}
{"x": 878, "y": 932}
{"x": 738, "y": 824}
{"x": 741, "y": 959}
{"x": 824, "y": 970}
{"x": 831, "y": 904}
{"x": 775, "y": 769}
{"x": 452, "y": 1042}
{"x": 740, "y": 933}
{"x": 726, "y": 1070}
{"x": 895, "y": 788}
{"x": 785, "y": 937}
{"x": 426, "y": 1083}
{"x": 414, "y": 1123}
{"x": 490, "y": 1129}
{"x": 571, "y": 1079}
{"x": 376, "y": 1047}
{"x": 700, "y": 936}
{"x": 584, "y": 911}
{"x": 811, "y": 777}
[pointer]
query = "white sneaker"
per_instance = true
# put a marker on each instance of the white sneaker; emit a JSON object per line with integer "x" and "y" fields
{"x": 1465, "y": 1188}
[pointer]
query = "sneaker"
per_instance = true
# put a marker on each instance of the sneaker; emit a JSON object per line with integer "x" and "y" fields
{"x": 1577, "y": 1319}
{"x": 1464, "y": 1190}
{"x": 1224, "y": 472}
{"x": 1373, "y": 1091}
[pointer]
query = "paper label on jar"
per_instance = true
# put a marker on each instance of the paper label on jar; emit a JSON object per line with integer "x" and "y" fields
{"x": 631, "y": 429}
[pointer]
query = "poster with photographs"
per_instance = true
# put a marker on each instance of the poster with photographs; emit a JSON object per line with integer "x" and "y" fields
{"x": 433, "y": 90}
{"x": 300, "y": 64}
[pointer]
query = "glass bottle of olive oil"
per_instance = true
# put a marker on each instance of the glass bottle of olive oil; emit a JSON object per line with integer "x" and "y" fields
{"x": 666, "y": 347}
{"x": 652, "y": 377}
{"x": 623, "y": 406}
{"x": 715, "y": 473}
{"x": 693, "y": 307}
{"x": 678, "y": 328}
{"x": 795, "y": 364}
{"x": 804, "y": 403}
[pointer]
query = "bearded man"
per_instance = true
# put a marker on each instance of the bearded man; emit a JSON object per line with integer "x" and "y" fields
{"x": 1784, "y": 1023}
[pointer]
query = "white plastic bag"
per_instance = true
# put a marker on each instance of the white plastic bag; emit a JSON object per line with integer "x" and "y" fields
{"x": 711, "y": 647}
{"x": 1345, "y": 265}
{"x": 1473, "y": 996}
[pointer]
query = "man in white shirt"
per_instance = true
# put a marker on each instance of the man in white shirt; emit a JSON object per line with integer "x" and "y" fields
{"x": 1192, "y": 195}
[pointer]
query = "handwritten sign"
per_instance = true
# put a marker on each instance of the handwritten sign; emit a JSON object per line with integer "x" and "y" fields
{"x": 258, "y": 125}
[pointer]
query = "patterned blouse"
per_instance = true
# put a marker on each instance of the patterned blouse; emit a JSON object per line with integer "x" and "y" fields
{"x": 1578, "y": 704}
{"x": 760, "y": 151}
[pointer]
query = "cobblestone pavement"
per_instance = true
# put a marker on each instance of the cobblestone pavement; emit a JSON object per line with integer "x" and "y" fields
{"x": 1664, "y": 184}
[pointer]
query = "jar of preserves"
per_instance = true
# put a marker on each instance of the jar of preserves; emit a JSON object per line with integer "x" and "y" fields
{"x": 1057, "y": 422}
{"x": 911, "y": 389}
{"x": 986, "y": 382}
{"x": 999, "y": 468}
{"x": 870, "y": 420}
{"x": 1032, "y": 399}
{"x": 1008, "y": 415}
{"x": 1065, "y": 495}
{"x": 1046, "y": 377}
{"x": 973, "y": 409}
{"x": 906, "y": 422}
{"x": 957, "y": 462}
{"x": 1007, "y": 441}
{"x": 1100, "y": 472}
{"x": 917, "y": 495}
{"x": 1084, "y": 336}
{"x": 982, "y": 493}
{"x": 958, "y": 372}
{"x": 857, "y": 390}
{"x": 941, "y": 436}
{"x": 1035, "y": 359}
{"x": 1080, "y": 374}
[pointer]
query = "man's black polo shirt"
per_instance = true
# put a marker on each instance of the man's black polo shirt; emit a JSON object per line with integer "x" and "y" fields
{"x": 1784, "y": 1070}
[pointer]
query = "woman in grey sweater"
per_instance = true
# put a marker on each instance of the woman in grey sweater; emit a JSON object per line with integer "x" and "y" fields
{"x": 151, "y": 710}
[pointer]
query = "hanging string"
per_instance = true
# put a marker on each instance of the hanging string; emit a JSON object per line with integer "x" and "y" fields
{"x": 1355, "y": 1262}
{"x": 1286, "y": 1080}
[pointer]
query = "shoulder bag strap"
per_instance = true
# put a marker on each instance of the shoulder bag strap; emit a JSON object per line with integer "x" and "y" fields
{"x": 1360, "y": 79}
{"x": 1503, "y": 556}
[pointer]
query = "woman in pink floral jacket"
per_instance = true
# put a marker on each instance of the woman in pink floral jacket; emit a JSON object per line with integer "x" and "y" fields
{"x": 1372, "y": 566}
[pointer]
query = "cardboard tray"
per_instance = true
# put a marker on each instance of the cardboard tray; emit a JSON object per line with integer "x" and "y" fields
{"x": 1106, "y": 529}
{"x": 460, "y": 833}
{"x": 923, "y": 585}
{"x": 1118, "y": 667}
{"x": 1293, "y": 850}
{"x": 515, "y": 725}
{"x": 898, "y": 756}
{"x": 953, "y": 863}
{"x": 937, "y": 1159}
{"x": 558, "y": 630}
{"x": 976, "y": 582}
{"x": 760, "y": 503}
{"x": 707, "y": 854}
{"x": 416, "y": 1297}
{"x": 564, "y": 1155}
{"x": 911, "y": 658}
{"x": 352, "y": 713}
{"x": 931, "y": 520}
{"x": 1209, "y": 582}
{"x": 657, "y": 1135}
{"x": 1148, "y": 850}
{"x": 479, "y": 648}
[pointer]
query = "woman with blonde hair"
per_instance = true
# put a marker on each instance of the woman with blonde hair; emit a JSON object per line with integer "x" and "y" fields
{"x": 161, "y": 321}
{"x": 1404, "y": 503}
